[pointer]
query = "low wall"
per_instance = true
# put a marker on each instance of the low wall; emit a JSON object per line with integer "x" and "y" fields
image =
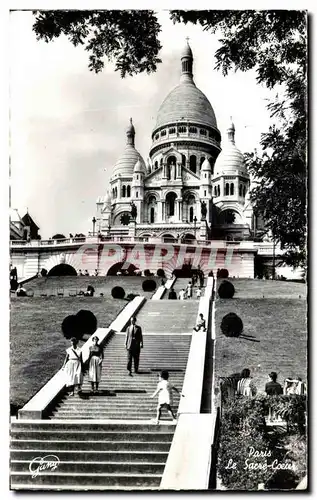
{"x": 162, "y": 289}
{"x": 37, "y": 406}
{"x": 189, "y": 460}
{"x": 194, "y": 375}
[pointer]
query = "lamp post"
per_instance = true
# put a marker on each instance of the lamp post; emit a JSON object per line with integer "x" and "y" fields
{"x": 195, "y": 222}
{"x": 273, "y": 263}
{"x": 93, "y": 225}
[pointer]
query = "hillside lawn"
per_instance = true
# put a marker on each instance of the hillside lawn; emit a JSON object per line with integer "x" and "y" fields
{"x": 274, "y": 338}
{"x": 37, "y": 345}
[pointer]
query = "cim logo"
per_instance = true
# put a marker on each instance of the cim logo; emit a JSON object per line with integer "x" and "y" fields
{"x": 40, "y": 464}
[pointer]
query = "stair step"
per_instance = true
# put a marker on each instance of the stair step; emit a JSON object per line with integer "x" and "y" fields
{"x": 83, "y": 467}
{"x": 95, "y": 445}
{"x": 64, "y": 435}
{"x": 88, "y": 426}
{"x": 56, "y": 478}
{"x": 93, "y": 455}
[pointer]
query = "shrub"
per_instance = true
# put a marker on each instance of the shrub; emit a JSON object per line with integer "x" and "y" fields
{"x": 222, "y": 273}
{"x": 148, "y": 286}
{"x": 231, "y": 325}
{"x": 118, "y": 292}
{"x": 87, "y": 322}
{"x": 211, "y": 274}
{"x": 43, "y": 272}
{"x": 147, "y": 272}
{"x": 226, "y": 290}
{"x": 160, "y": 273}
{"x": 83, "y": 323}
{"x": 70, "y": 327}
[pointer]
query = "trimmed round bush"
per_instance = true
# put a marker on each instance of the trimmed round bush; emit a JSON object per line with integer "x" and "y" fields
{"x": 70, "y": 327}
{"x": 148, "y": 286}
{"x": 211, "y": 274}
{"x": 222, "y": 273}
{"x": 43, "y": 272}
{"x": 87, "y": 322}
{"x": 160, "y": 273}
{"x": 226, "y": 290}
{"x": 231, "y": 325}
{"x": 147, "y": 272}
{"x": 118, "y": 292}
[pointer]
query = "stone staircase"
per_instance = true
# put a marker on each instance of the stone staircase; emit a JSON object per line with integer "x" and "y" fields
{"x": 105, "y": 441}
{"x": 125, "y": 397}
{"x": 94, "y": 456}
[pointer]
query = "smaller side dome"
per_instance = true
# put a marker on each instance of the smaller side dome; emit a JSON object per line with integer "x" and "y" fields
{"x": 107, "y": 198}
{"x": 206, "y": 167}
{"x": 139, "y": 168}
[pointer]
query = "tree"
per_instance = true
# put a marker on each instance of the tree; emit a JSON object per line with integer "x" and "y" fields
{"x": 58, "y": 236}
{"x": 273, "y": 43}
{"x": 128, "y": 37}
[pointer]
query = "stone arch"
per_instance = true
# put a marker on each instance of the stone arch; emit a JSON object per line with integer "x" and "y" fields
{"x": 168, "y": 237}
{"x": 187, "y": 237}
{"x": 170, "y": 203}
{"x": 230, "y": 216}
{"x": 62, "y": 270}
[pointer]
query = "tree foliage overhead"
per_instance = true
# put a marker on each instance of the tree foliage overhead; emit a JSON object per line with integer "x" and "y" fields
{"x": 274, "y": 44}
{"x": 127, "y": 37}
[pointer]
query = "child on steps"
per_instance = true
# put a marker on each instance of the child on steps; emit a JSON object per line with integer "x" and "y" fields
{"x": 164, "y": 391}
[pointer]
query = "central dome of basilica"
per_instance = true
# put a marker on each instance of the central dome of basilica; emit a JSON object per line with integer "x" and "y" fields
{"x": 186, "y": 102}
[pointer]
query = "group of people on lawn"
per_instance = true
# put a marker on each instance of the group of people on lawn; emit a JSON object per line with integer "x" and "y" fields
{"x": 242, "y": 384}
{"x": 73, "y": 368}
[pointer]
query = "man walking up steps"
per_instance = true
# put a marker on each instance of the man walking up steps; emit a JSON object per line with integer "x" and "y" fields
{"x": 133, "y": 344}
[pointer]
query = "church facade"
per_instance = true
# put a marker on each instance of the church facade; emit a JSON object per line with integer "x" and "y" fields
{"x": 193, "y": 185}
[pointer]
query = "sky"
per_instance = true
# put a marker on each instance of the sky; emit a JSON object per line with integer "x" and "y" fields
{"x": 67, "y": 124}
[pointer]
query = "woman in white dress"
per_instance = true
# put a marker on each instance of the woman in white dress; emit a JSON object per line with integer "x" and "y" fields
{"x": 72, "y": 366}
{"x": 95, "y": 362}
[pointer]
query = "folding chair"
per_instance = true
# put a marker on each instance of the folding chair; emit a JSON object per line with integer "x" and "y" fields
{"x": 60, "y": 292}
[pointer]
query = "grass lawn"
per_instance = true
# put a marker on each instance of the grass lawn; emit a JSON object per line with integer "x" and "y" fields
{"x": 279, "y": 342}
{"x": 254, "y": 289}
{"x": 101, "y": 284}
{"x": 37, "y": 345}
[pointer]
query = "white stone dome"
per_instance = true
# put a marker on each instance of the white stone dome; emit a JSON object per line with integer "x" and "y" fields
{"x": 230, "y": 159}
{"x": 186, "y": 102}
{"x": 139, "y": 167}
{"x": 206, "y": 167}
{"x": 124, "y": 166}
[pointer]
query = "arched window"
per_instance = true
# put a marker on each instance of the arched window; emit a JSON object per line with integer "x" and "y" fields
{"x": 193, "y": 163}
{"x": 193, "y": 130}
{"x": 183, "y": 160}
{"x": 115, "y": 192}
{"x": 172, "y": 130}
{"x": 123, "y": 191}
{"x": 202, "y": 159}
{"x": 161, "y": 161}
{"x": 170, "y": 204}
{"x": 202, "y": 131}
{"x": 163, "y": 132}
{"x": 157, "y": 137}
{"x": 215, "y": 191}
{"x": 218, "y": 190}
{"x": 156, "y": 165}
{"x": 191, "y": 214}
{"x": 128, "y": 191}
{"x": 137, "y": 194}
{"x": 244, "y": 191}
{"x": 240, "y": 190}
{"x": 227, "y": 188}
{"x": 182, "y": 130}
{"x": 231, "y": 188}
{"x": 152, "y": 215}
